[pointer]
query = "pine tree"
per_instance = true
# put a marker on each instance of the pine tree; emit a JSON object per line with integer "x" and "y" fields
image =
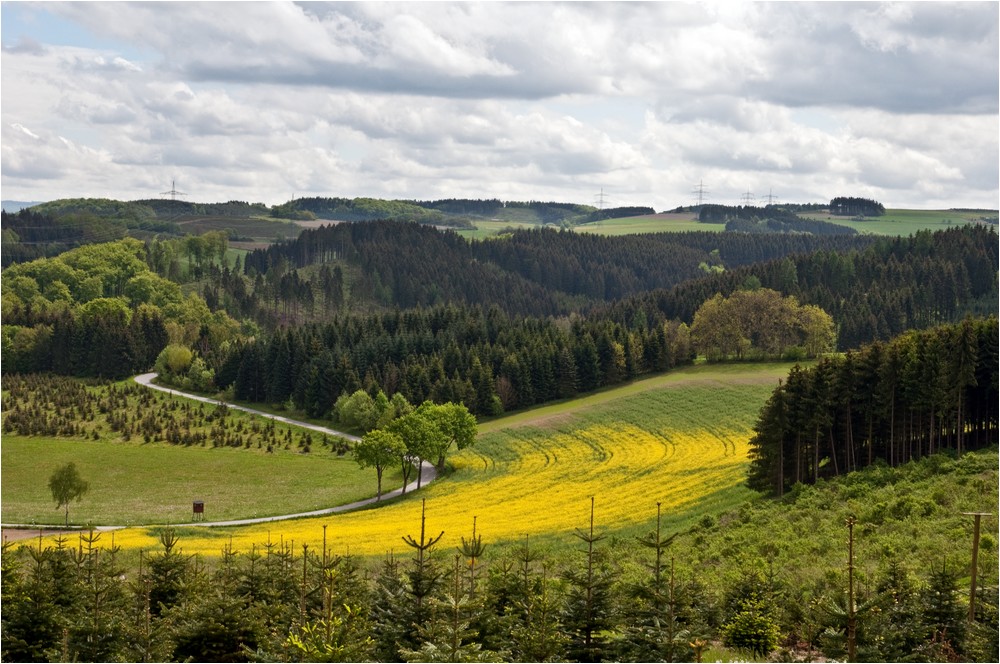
{"x": 943, "y": 616}
{"x": 653, "y": 629}
{"x": 589, "y": 612}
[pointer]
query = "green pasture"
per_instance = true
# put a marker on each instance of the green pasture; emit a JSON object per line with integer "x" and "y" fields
{"x": 764, "y": 374}
{"x": 894, "y": 222}
{"x": 651, "y": 223}
{"x": 137, "y": 483}
{"x": 907, "y": 222}
{"x": 134, "y": 484}
{"x": 511, "y": 483}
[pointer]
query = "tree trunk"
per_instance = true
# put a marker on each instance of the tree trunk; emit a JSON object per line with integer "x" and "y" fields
{"x": 833, "y": 454}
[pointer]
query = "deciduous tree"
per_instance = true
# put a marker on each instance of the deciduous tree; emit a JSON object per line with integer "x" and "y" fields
{"x": 67, "y": 485}
{"x": 379, "y": 449}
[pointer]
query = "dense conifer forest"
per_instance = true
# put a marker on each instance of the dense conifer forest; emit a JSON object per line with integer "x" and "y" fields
{"x": 855, "y": 206}
{"x": 499, "y": 324}
{"x": 919, "y": 394}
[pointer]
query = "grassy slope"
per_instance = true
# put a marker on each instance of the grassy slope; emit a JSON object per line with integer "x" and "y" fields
{"x": 895, "y": 222}
{"x": 653, "y": 223}
{"x": 913, "y": 513}
{"x": 904, "y": 222}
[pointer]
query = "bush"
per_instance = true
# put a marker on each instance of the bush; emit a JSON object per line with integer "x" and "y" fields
{"x": 174, "y": 360}
{"x": 753, "y": 630}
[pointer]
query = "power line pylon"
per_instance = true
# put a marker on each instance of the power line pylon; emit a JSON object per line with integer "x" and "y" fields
{"x": 747, "y": 198}
{"x": 173, "y": 193}
{"x": 600, "y": 199}
{"x": 770, "y": 198}
{"x": 700, "y": 190}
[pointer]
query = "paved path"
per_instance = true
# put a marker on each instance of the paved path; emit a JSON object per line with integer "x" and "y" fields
{"x": 148, "y": 378}
{"x": 427, "y": 471}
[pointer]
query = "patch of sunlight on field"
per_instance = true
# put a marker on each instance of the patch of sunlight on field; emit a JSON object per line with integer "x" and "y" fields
{"x": 518, "y": 482}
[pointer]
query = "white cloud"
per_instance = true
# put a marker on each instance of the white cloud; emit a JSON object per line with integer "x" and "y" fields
{"x": 24, "y": 130}
{"x": 518, "y": 100}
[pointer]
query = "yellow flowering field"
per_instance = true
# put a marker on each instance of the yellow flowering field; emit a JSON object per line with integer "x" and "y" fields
{"x": 682, "y": 444}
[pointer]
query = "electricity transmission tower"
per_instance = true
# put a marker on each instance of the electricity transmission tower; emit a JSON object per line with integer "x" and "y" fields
{"x": 600, "y": 199}
{"x": 770, "y": 198}
{"x": 173, "y": 193}
{"x": 700, "y": 190}
{"x": 747, "y": 198}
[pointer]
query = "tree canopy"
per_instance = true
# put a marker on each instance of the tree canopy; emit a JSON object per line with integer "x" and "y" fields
{"x": 379, "y": 449}
{"x": 916, "y": 395}
{"x": 760, "y": 323}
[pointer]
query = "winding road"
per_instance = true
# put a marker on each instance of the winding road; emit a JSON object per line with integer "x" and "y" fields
{"x": 428, "y": 473}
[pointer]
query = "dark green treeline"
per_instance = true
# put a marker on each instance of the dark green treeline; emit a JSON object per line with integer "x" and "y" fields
{"x": 873, "y": 293}
{"x": 921, "y": 393}
{"x": 875, "y": 288}
{"x": 483, "y": 358}
{"x": 529, "y": 272}
{"x": 493, "y": 359}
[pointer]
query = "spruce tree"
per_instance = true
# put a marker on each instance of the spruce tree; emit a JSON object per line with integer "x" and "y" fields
{"x": 589, "y": 611}
{"x": 654, "y": 628}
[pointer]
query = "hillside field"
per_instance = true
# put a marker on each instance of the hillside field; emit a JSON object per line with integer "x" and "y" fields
{"x": 907, "y": 222}
{"x": 895, "y": 222}
{"x": 679, "y": 439}
{"x": 667, "y": 222}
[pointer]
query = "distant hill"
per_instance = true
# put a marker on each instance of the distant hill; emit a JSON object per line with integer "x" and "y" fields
{"x": 17, "y": 206}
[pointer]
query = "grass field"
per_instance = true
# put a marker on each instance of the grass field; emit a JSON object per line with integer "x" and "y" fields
{"x": 679, "y": 439}
{"x": 142, "y": 479}
{"x": 134, "y": 483}
{"x": 895, "y": 222}
{"x": 654, "y": 223}
{"x": 667, "y": 222}
{"x": 260, "y": 229}
{"x": 907, "y": 222}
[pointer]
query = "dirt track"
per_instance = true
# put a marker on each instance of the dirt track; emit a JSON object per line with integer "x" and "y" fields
{"x": 20, "y": 534}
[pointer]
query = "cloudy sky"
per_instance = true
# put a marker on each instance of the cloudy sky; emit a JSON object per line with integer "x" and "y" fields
{"x": 266, "y": 101}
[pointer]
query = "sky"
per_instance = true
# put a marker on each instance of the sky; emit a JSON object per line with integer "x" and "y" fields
{"x": 600, "y": 103}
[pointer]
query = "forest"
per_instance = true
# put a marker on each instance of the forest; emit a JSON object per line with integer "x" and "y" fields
{"x": 916, "y": 395}
{"x": 893, "y": 402}
{"x": 850, "y": 206}
{"x": 536, "y": 316}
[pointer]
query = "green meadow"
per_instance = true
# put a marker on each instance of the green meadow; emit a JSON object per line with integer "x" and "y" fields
{"x": 137, "y": 483}
{"x": 894, "y": 222}
{"x": 241, "y": 465}
{"x": 908, "y": 222}
{"x": 667, "y": 222}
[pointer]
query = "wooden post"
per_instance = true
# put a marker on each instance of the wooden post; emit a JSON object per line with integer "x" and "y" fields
{"x": 975, "y": 563}
{"x": 852, "y": 618}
